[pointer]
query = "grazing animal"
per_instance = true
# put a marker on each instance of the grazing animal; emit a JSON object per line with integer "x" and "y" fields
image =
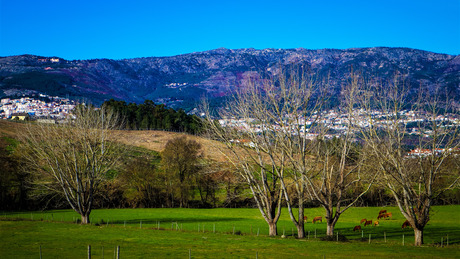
{"x": 406, "y": 224}
{"x": 357, "y": 228}
{"x": 363, "y": 221}
{"x": 368, "y": 222}
{"x": 381, "y": 216}
{"x": 388, "y": 215}
{"x": 304, "y": 218}
{"x": 376, "y": 223}
{"x": 382, "y": 212}
{"x": 319, "y": 218}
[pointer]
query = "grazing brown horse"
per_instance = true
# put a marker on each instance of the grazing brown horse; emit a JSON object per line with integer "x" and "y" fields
{"x": 319, "y": 218}
{"x": 376, "y": 223}
{"x": 357, "y": 228}
{"x": 406, "y": 224}
{"x": 368, "y": 222}
{"x": 363, "y": 221}
{"x": 381, "y": 216}
{"x": 388, "y": 215}
{"x": 382, "y": 211}
{"x": 304, "y": 218}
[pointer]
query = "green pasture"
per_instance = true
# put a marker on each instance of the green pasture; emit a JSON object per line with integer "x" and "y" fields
{"x": 218, "y": 233}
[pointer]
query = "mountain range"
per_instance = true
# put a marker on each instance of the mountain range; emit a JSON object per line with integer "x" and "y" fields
{"x": 180, "y": 81}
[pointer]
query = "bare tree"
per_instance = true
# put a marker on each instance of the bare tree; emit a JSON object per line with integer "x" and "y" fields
{"x": 73, "y": 158}
{"x": 418, "y": 177}
{"x": 267, "y": 132}
{"x": 252, "y": 148}
{"x": 292, "y": 105}
{"x": 337, "y": 180}
{"x": 282, "y": 121}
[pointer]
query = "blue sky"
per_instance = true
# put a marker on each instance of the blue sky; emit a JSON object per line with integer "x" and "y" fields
{"x": 81, "y": 29}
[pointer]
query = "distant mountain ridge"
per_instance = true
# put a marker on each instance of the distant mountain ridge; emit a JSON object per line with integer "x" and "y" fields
{"x": 181, "y": 80}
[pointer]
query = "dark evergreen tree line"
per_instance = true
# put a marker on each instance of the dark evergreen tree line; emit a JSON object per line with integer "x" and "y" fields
{"x": 151, "y": 116}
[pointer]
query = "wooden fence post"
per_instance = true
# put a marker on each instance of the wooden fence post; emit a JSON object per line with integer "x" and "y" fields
{"x": 89, "y": 252}
{"x": 118, "y": 252}
{"x": 40, "y": 251}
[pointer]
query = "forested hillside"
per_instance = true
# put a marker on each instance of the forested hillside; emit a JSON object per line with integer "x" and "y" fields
{"x": 149, "y": 115}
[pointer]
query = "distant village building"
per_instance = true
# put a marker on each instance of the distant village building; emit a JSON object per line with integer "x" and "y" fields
{"x": 422, "y": 152}
{"x": 20, "y": 116}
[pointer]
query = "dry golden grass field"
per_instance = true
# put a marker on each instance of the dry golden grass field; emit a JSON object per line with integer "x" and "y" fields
{"x": 149, "y": 139}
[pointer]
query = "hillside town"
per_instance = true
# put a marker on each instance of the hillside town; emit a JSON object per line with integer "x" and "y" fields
{"x": 337, "y": 123}
{"x": 334, "y": 124}
{"x": 44, "y": 107}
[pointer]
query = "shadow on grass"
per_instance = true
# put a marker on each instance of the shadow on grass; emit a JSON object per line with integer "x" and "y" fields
{"x": 431, "y": 235}
{"x": 178, "y": 220}
{"x": 27, "y": 213}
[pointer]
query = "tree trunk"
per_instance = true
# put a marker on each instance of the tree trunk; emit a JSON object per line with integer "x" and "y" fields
{"x": 85, "y": 218}
{"x": 418, "y": 236}
{"x": 330, "y": 222}
{"x": 273, "y": 232}
{"x": 330, "y": 228}
{"x": 300, "y": 229}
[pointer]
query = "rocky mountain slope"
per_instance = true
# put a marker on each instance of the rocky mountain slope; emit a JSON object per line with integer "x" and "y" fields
{"x": 181, "y": 80}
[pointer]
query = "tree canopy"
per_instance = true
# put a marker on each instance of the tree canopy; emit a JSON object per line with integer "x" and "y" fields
{"x": 149, "y": 115}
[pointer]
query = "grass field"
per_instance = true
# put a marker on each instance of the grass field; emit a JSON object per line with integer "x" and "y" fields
{"x": 209, "y": 233}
